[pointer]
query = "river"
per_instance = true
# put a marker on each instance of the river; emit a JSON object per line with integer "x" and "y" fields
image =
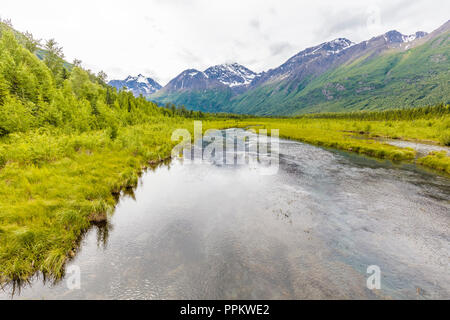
{"x": 209, "y": 231}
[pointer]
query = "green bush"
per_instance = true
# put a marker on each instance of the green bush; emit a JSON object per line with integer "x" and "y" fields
{"x": 445, "y": 138}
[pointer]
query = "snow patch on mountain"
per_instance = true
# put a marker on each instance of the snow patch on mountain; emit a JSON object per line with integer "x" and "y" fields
{"x": 137, "y": 85}
{"x": 396, "y": 37}
{"x": 231, "y": 74}
{"x": 142, "y": 79}
{"x": 332, "y": 47}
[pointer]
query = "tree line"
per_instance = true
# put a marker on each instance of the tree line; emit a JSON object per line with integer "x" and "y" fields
{"x": 38, "y": 88}
{"x": 181, "y": 110}
{"x": 427, "y": 112}
{"x": 50, "y": 92}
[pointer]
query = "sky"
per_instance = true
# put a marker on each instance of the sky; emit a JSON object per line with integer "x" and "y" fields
{"x": 161, "y": 38}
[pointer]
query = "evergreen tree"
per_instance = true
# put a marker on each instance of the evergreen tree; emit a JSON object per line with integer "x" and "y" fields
{"x": 102, "y": 76}
{"x": 30, "y": 43}
{"x": 54, "y": 57}
{"x": 77, "y": 63}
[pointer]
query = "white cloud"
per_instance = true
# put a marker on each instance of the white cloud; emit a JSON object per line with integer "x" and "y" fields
{"x": 164, "y": 37}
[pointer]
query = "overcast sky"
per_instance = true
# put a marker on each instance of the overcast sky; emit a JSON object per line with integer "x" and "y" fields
{"x": 161, "y": 38}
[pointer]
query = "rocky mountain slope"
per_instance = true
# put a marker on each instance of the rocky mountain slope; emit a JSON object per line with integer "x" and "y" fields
{"x": 388, "y": 71}
{"x": 137, "y": 85}
{"x": 206, "y": 90}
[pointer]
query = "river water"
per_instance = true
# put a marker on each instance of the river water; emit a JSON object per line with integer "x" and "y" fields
{"x": 310, "y": 231}
{"x": 422, "y": 149}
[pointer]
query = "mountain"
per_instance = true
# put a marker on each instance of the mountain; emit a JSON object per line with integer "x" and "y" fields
{"x": 388, "y": 71}
{"x": 207, "y": 90}
{"x": 191, "y": 79}
{"x": 137, "y": 85}
{"x": 311, "y": 61}
{"x": 235, "y": 76}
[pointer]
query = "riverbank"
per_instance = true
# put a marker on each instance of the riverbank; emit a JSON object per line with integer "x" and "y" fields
{"x": 362, "y": 136}
{"x": 207, "y": 231}
{"x": 54, "y": 185}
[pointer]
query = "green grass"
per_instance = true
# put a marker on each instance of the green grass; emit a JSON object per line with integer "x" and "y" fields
{"x": 54, "y": 184}
{"x": 362, "y": 136}
{"x": 326, "y": 134}
{"x": 436, "y": 160}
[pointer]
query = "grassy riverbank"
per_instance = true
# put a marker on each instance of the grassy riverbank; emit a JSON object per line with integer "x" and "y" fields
{"x": 436, "y": 160}
{"x": 53, "y": 185}
{"x": 362, "y": 136}
{"x": 68, "y": 143}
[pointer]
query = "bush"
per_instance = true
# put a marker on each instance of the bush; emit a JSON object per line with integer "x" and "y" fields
{"x": 445, "y": 138}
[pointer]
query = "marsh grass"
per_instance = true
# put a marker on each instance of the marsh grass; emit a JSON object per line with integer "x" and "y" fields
{"x": 55, "y": 185}
{"x": 436, "y": 160}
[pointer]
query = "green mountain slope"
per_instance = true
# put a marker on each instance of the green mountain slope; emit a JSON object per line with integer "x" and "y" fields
{"x": 211, "y": 100}
{"x": 37, "y": 94}
{"x": 388, "y": 71}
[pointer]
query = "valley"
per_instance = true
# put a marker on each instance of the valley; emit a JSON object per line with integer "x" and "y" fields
{"x": 390, "y": 71}
{"x": 89, "y": 178}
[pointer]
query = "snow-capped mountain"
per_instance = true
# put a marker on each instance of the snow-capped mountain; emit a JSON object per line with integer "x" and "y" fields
{"x": 327, "y": 48}
{"x": 396, "y": 37}
{"x": 231, "y": 74}
{"x": 137, "y": 85}
{"x": 299, "y": 83}
{"x": 190, "y": 79}
{"x": 307, "y": 62}
{"x": 314, "y": 76}
{"x": 313, "y": 61}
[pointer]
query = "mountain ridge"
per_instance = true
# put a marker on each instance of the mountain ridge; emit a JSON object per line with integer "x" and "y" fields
{"x": 139, "y": 85}
{"x": 300, "y": 84}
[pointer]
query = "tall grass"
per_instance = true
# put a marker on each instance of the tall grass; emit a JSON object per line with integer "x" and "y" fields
{"x": 53, "y": 185}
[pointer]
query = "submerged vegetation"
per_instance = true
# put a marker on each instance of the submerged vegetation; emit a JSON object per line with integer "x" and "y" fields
{"x": 69, "y": 144}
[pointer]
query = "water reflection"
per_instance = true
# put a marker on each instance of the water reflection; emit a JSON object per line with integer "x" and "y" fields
{"x": 103, "y": 230}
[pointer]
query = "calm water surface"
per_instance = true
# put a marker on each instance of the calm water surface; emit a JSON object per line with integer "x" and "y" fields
{"x": 205, "y": 231}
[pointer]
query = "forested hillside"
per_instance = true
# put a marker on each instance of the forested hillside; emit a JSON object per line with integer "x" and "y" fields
{"x": 38, "y": 93}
